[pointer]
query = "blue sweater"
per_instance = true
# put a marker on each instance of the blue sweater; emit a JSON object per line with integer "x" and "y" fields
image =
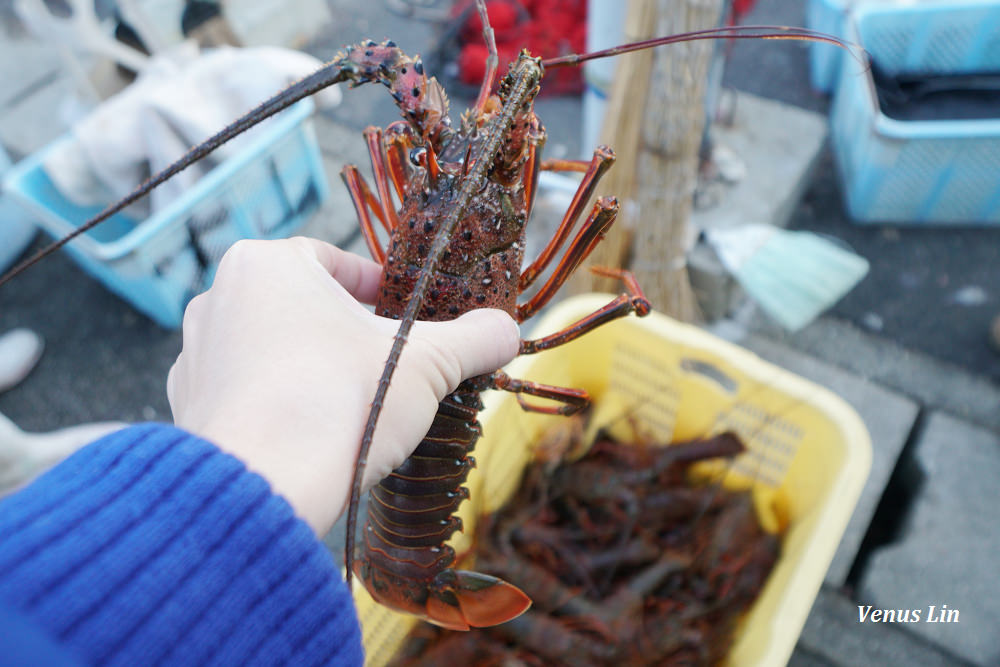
{"x": 151, "y": 546}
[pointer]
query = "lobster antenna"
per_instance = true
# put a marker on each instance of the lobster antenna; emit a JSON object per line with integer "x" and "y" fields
{"x": 733, "y": 32}
{"x": 492, "y": 61}
{"x": 326, "y": 76}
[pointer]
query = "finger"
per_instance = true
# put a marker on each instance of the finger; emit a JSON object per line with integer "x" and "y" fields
{"x": 359, "y": 276}
{"x": 481, "y": 341}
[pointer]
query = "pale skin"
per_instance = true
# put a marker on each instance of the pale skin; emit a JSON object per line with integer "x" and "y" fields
{"x": 280, "y": 362}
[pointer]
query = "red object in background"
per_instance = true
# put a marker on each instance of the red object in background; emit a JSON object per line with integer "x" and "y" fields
{"x": 741, "y": 7}
{"x": 472, "y": 63}
{"x": 504, "y": 16}
{"x": 547, "y": 28}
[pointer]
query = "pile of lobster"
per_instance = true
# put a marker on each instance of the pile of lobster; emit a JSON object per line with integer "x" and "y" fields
{"x": 625, "y": 560}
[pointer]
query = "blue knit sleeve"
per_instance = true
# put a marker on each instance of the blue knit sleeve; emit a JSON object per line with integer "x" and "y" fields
{"x": 151, "y": 546}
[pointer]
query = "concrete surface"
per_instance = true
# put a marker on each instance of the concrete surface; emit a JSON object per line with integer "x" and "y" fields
{"x": 833, "y": 636}
{"x": 771, "y": 149}
{"x": 803, "y": 658}
{"x": 930, "y": 290}
{"x": 778, "y": 145}
{"x": 103, "y": 361}
{"x": 947, "y": 555}
{"x": 925, "y": 379}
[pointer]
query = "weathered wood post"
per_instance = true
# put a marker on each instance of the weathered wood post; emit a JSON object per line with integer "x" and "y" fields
{"x": 655, "y": 119}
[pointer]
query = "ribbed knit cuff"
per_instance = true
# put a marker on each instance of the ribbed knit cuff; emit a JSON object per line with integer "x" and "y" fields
{"x": 152, "y": 546}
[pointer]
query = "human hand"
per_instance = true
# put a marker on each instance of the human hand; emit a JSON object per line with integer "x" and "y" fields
{"x": 280, "y": 363}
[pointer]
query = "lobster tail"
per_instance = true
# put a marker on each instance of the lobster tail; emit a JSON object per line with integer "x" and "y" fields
{"x": 405, "y": 562}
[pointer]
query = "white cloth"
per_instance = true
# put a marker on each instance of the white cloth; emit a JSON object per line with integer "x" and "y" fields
{"x": 736, "y": 245}
{"x": 181, "y": 99}
{"x": 24, "y": 456}
{"x": 20, "y": 350}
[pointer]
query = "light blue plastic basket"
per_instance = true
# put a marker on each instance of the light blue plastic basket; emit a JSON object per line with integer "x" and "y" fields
{"x": 830, "y": 16}
{"x": 17, "y": 229}
{"x": 827, "y": 16}
{"x": 918, "y": 172}
{"x": 265, "y": 191}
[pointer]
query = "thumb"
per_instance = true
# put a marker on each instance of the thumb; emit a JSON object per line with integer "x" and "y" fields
{"x": 478, "y": 342}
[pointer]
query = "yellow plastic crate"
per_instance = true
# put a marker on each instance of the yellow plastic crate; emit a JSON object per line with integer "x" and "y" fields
{"x": 808, "y": 452}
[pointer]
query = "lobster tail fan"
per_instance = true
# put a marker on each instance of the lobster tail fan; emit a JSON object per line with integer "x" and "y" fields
{"x": 445, "y": 613}
{"x": 487, "y": 600}
{"x": 460, "y": 600}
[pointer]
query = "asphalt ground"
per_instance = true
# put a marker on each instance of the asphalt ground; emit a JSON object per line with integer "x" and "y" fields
{"x": 932, "y": 290}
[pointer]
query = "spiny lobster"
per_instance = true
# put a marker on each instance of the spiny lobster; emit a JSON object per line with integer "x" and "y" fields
{"x": 456, "y": 244}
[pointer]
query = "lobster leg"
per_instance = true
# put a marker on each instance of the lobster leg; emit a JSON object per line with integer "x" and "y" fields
{"x": 553, "y": 164}
{"x": 398, "y": 139}
{"x": 574, "y": 400}
{"x": 386, "y": 167}
{"x": 597, "y": 225}
{"x": 603, "y": 158}
{"x": 380, "y": 168}
{"x": 363, "y": 199}
{"x": 633, "y": 301}
{"x": 533, "y": 165}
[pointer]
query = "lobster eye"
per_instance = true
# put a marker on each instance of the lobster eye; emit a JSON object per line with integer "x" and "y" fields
{"x": 418, "y": 156}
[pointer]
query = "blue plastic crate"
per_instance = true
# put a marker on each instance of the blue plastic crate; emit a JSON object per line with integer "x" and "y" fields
{"x": 827, "y": 16}
{"x": 830, "y": 16}
{"x": 265, "y": 191}
{"x": 918, "y": 172}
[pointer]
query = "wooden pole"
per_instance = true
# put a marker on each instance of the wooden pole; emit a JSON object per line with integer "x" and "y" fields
{"x": 654, "y": 122}
{"x": 622, "y": 121}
